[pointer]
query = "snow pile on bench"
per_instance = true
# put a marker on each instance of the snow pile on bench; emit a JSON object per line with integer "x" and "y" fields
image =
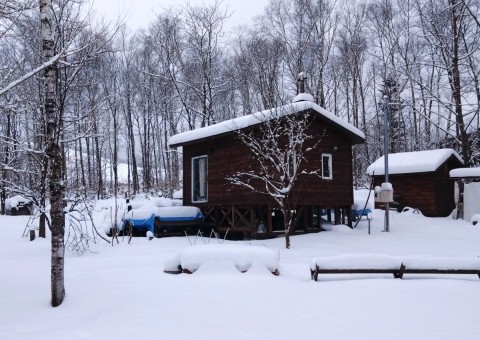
{"x": 190, "y": 259}
{"x": 372, "y": 263}
{"x": 442, "y": 263}
{"x": 356, "y": 261}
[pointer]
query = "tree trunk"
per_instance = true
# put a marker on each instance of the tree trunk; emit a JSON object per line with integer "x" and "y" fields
{"x": 456, "y": 85}
{"x": 287, "y": 223}
{"x": 54, "y": 154}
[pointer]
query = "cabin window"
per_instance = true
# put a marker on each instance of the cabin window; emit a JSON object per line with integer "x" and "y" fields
{"x": 199, "y": 179}
{"x": 327, "y": 166}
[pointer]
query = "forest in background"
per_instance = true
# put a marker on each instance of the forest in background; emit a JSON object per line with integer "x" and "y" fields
{"x": 120, "y": 95}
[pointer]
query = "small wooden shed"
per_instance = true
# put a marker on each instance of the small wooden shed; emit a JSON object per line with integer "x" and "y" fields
{"x": 214, "y": 153}
{"x": 420, "y": 179}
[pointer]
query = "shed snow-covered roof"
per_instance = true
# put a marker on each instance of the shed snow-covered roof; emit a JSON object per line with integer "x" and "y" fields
{"x": 412, "y": 162}
{"x": 235, "y": 124}
{"x": 465, "y": 173}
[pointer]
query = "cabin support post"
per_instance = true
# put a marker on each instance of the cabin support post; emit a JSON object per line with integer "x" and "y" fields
{"x": 349, "y": 216}
{"x": 337, "y": 217}
{"x": 320, "y": 218}
{"x": 269, "y": 219}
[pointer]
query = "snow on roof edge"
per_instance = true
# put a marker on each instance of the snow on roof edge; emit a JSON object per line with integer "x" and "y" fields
{"x": 412, "y": 162}
{"x": 257, "y": 118}
{"x": 465, "y": 173}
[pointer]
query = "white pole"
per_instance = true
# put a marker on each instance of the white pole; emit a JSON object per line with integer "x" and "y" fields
{"x": 385, "y": 148}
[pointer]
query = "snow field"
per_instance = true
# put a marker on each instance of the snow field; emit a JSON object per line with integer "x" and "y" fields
{"x": 121, "y": 292}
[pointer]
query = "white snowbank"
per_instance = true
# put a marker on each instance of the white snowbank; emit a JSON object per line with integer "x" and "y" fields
{"x": 242, "y": 256}
{"x": 412, "y": 162}
{"x": 112, "y": 282}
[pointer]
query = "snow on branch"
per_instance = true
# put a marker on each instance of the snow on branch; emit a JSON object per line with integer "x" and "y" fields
{"x": 33, "y": 72}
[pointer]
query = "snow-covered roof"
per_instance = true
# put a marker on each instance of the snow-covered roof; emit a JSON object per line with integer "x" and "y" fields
{"x": 234, "y": 124}
{"x": 412, "y": 162}
{"x": 465, "y": 173}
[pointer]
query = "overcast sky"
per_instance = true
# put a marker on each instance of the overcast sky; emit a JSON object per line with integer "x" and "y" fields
{"x": 140, "y": 13}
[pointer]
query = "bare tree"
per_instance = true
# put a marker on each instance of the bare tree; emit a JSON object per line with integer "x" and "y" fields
{"x": 278, "y": 148}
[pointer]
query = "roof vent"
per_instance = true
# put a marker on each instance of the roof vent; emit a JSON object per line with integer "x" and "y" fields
{"x": 301, "y": 95}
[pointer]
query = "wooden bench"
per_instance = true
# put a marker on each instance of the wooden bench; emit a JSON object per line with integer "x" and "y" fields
{"x": 440, "y": 265}
{"x": 382, "y": 264}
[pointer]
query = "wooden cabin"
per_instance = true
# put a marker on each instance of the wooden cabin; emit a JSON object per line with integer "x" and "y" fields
{"x": 420, "y": 180}
{"x": 214, "y": 153}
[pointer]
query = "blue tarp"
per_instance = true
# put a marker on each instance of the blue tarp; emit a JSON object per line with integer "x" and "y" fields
{"x": 144, "y": 224}
{"x": 174, "y": 215}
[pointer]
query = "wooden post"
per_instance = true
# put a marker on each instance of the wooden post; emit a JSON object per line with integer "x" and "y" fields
{"x": 349, "y": 215}
{"x": 269, "y": 219}
{"x": 336, "y": 217}
{"x": 32, "y": 234}
{"x": 320, "y": 218}
{"x": 3, "y": 199}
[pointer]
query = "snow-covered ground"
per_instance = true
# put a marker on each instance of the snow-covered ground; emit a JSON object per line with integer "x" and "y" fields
{"x": 122, "y": 292}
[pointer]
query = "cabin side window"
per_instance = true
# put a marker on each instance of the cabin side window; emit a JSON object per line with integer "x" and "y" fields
{"x": 199, "y": 179}
{"x": 327, "y": 166}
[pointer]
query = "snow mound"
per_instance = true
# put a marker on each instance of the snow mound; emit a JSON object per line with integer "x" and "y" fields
{"x": 303, "y": 97}
{"x": 171, "y": 263}
{"x": 411, "y": 211}
{"x": 242, "y": 256}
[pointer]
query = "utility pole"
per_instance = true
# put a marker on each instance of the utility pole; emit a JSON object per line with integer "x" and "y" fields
{"x": 385, "y": 149}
